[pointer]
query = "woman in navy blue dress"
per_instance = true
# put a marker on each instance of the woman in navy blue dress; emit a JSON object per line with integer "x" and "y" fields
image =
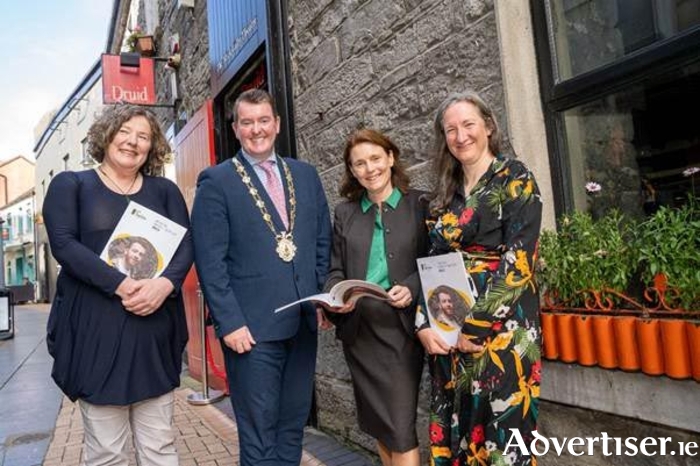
{"x": 117, "y": 342}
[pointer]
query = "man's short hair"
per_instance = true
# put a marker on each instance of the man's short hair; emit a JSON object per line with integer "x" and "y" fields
{"x": 254, "y": 96}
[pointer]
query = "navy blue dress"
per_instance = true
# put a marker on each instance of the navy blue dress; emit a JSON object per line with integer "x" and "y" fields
{"x": 102, "y": 353}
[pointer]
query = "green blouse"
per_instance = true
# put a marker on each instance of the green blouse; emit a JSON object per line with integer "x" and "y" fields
{"x": 377, "y": 268}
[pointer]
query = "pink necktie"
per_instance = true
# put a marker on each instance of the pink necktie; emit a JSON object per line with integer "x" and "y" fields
{"x": 275, "y": 190}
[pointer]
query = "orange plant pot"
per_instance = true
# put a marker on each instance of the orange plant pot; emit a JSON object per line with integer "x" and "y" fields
{"x": 604, "y": 334}
{"x": 676, "y": 349}
{"x": 626, "y": 346}
{"x": 650, "y": 347}
{"x": 566, "y": 339}
{"x": 693, "y": 331}
{"x": 549, "y": 336}
{"x": 585, "y": 344}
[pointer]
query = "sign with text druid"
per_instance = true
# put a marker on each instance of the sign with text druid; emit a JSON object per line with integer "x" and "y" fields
{"x": 128, "y": 84}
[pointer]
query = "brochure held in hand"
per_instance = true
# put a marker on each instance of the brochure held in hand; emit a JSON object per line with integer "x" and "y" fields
{"x": 342, "y": 293}
{"x": 449, "y": 293}
{"x": 143, "y": 243}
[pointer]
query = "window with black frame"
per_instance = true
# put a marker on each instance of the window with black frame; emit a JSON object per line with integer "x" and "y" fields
{"x": 618, "y": 79}
{"x": 587, "y": 34}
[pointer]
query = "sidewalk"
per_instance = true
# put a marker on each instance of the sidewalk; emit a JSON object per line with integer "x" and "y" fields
{"x": 38, "y": 426}
{"x": 206, "y": 437}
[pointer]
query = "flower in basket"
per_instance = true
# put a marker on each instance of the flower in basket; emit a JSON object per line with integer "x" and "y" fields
{"x": 133, "y": 38}
{"x": 140, "y": 42}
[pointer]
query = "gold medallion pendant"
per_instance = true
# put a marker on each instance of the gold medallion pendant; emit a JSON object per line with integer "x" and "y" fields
{"x": 286, "y": 249}
{"x": 285, "y": 246}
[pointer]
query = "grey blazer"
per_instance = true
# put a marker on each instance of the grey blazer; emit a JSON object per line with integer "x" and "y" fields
{"x": 406, "y": 239}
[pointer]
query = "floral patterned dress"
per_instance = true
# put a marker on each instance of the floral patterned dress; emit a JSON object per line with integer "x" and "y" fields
{"x": 476, "y": 399}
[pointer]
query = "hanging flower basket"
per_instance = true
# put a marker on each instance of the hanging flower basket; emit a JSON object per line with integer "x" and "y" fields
{"x": 139, "y": 42}
{"x": 146, "y": 46}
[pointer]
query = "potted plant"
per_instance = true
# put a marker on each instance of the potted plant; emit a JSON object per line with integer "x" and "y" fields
{"x": 619, "y": 292}
{"x": 667, "y": 244}
{"x": 139, "y": 42}
{"x": 586, "y": 266}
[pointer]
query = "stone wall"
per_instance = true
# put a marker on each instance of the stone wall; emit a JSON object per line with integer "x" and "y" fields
{"x": 388, "y": 64}
{"x": 193, "y": 75}
{"x": 385, "y": 64}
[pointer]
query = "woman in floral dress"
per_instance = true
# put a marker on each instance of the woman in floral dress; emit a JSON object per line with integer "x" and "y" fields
{"x": 489, "y": 208}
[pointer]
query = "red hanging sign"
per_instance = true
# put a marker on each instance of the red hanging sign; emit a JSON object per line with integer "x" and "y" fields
{"x": 128, "y": 84}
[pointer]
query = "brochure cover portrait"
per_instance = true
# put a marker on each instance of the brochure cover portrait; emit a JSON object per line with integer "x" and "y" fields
{"x": 143, "y": 242}
{"x": 449, "y": 293}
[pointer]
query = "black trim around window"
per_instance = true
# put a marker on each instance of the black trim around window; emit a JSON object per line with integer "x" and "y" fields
{"x": 654, "y": 60}
{"x": 648, "y": 63}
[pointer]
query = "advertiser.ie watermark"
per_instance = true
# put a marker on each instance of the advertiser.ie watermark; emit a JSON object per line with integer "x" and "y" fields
{"x": 618, "y": 446}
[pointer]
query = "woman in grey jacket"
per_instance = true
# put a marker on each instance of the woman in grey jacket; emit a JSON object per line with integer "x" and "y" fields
{"x": 378, "y": 234}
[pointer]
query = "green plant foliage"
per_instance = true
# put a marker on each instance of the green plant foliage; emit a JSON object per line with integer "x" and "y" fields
{"x": 587, "y": 255}
{"x": 668, "y": 242}
{"x": 133, "y": 39}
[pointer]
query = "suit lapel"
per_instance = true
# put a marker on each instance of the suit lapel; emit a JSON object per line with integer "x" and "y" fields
{"x": 366, "y": 227}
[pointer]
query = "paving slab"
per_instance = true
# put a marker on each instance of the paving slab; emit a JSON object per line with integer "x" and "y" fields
{"x": 40, "y": 426}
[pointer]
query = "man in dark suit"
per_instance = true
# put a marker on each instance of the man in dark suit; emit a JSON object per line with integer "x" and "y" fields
{"x": 262, "y": 235}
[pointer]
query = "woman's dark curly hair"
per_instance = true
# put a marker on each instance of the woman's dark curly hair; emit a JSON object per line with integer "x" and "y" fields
{"x": 351, "y": 188}
{"x": 108, "y": 123}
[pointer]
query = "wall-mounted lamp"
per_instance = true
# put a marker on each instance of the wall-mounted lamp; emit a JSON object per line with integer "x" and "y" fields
{"x": 174, "y": 61}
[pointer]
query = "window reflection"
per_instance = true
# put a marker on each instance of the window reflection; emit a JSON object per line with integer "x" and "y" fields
{"x": 637, "y": 145}
{"x": 587, "y": 34}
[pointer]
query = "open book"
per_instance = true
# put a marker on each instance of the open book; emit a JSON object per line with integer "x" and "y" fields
{"x": 342, "y": 293}
{"x": 143, "y": 242}
{"x": 449, "y": 293}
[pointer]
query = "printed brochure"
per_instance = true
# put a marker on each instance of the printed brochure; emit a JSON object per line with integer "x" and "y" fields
{"x": 449, "y": 293}
{"x": 343, "y": 293}
{"x": 143, "y": 242}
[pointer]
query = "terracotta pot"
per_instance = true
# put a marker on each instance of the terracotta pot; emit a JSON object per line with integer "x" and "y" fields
{"x": 585, "y": 345}
{"x": 626, "y": 346}
{"x": 604, "y": 334}
{"x": 693, "y": 331}
{"x": 676, "y": 350}
{"x": 145, "y": 45}
{"x": 650, "y": 347}
{"x": 549, "y": 336}
{"x": 566, "y": 339}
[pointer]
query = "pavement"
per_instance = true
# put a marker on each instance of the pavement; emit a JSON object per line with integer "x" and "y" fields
{"x": 39, "y": 426}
